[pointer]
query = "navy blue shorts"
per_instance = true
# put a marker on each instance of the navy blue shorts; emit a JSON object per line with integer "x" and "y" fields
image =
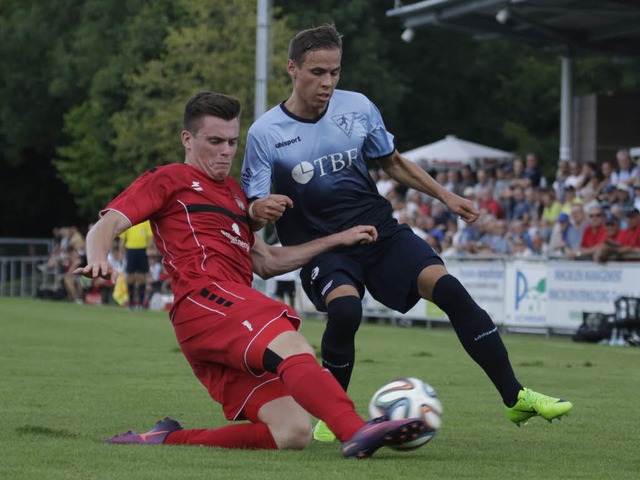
{"x": 388, "y": 268}
{"x": 137, "y": 261}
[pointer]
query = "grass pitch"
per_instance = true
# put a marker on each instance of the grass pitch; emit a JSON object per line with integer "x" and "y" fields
{"x": 72, "y": 376}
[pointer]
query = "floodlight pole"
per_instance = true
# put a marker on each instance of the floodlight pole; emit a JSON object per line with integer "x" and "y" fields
{"x": 566, "y": 107}
{"x": 262, "y": 40}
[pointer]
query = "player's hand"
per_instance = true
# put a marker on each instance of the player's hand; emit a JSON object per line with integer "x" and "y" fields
{"x": 462, "y": 207}
{"x": 356, "y": 235}
{"x": 96, "y": 270}
{"x": 270, "y": 208}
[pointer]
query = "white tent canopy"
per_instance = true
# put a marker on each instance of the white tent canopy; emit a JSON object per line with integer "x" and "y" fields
{"x": 454, "y": 153}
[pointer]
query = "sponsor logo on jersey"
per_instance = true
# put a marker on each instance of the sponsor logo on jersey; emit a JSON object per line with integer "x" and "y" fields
{"x": 315, "y": 272}
{"x": 233, "y": 237}
{"x": 345, "y": 121}
{"x": 303, "y": 172}
{"x": 196, "y": 186}
{"x": 286, "y": 143}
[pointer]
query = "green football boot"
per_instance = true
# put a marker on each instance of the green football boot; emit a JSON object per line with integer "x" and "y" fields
{"x": 531, "y": 404}
{"x": 321, "y": 433}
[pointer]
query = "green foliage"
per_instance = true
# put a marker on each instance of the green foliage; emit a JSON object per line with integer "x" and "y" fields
{"x": 210, "y": 47}
{"x": 73, "y": 376}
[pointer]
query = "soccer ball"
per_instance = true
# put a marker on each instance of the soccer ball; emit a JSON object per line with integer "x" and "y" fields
{"x": 409, "y": 397}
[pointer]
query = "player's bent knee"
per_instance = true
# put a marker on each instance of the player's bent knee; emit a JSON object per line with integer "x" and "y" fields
{"x": 295, "y": 437}
{"x": 288, "y": 422}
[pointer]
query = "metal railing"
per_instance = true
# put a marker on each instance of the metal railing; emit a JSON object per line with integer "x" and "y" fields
{"x": 23, "y": 276}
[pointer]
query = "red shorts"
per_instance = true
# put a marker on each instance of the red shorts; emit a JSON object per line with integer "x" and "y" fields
{"x": 223, "y": 330}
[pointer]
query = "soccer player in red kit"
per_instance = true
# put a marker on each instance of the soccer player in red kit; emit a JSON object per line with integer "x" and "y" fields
{"x": 243, "y": 346}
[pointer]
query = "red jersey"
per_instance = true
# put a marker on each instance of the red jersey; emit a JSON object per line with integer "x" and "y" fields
{"x": 201, "y": 227}
{"x": 631, "y": 237}
{"x": 591, "y": 237}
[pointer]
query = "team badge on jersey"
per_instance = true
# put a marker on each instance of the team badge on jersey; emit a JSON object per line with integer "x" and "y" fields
{"x": 239, "y": 202}
{"x": 345, "y": 122}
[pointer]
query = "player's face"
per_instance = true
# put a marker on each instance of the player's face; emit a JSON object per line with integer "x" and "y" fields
{"x": 212, "y": 148}
{"x": 315, "y": 80}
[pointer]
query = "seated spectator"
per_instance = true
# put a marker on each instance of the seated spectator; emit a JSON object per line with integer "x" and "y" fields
{"x": 557, "y": 241}
{"x": 626, "y": 243}
{"x": 613, "y": 239}
{"x": 484, "y": 180}
{"x": 539, "y": 245}
{"x": 486, "y": 201}
{"x": 570, "y": 197}
{"x": 550, "y": 211}
{"x": 623, "y": 175}
{"x": 573, "y": 235}
{"x": 518, "y": 207}
{"x": 73, "y": 283}
{"x": 594, "y": 234}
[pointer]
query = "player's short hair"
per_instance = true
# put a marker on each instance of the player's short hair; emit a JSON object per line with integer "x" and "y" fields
{"x": 209, "y": 103}
{"x": 325, "y": 37}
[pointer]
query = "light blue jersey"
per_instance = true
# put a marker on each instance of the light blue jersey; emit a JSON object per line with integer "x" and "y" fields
{"x": 320, "y": 164}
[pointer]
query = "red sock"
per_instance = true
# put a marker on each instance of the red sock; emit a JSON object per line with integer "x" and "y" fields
{"x": 320, "y": 394}
{"x": 254, "y": 436}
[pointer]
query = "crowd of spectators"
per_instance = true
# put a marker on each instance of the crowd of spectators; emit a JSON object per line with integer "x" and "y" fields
{"x": 584, "y": 212}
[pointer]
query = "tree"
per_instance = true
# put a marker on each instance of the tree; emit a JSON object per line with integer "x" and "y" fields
{"x": 212, "y": 47}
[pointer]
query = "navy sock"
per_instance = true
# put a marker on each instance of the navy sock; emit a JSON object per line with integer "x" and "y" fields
{"x": 478, "y": 334}
{"x": 338, "y": 341}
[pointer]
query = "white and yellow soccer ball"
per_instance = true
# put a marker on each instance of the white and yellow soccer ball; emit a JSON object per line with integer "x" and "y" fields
{"x": 409, "y": 397}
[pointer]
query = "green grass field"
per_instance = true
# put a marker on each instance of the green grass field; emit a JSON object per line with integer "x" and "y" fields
{"x": 72, "y": 376}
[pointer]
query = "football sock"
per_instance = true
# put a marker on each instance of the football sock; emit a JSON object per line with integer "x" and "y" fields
{"x": 253, "y": 436}
{"x": 131, "y": 289}
{"x": 338, "y": 340}
{"x": 478, "y": 334}
{"x": 318, "y": 392}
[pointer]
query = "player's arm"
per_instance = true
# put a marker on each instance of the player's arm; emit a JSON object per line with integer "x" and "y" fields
{"x": 413, "y": 176}
{"x": 270, "y": 261}
{"x": 99, "y": 241}
{"x": 268, "y": 209}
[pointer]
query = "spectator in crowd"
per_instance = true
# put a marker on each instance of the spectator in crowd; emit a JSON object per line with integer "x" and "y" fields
{"x": 577, "y": 175}
{"x": 484, "y": 180}
{"x": 539, "y": 245}
{"x": 385, "y": 184}
{"x": 606, "y": 176}
{"x": 518, "y": 208}
{"x": 589, "y": 174}
{"x": 501, "y": 191}
{"x": 488, "y": 203}
{"x": 551, "y": 208}
{"x": 636, "y": 194}
{"x": 623, "y": 175}
{"x": 533, "y": 172}
{"x": 594, "y": 234}
{"x": 570, "y": 197}
{"x": 72, "y": 281}
{"x": 575, "y": 230}
{"x": 416, "y": 204}
{"x": 557, "y": 241}
{"x": 608, "y": 196}
{"x": 453, "y": 182}
{"x": 559, "y": 183}
{"x": 631, "y": 240}
{"x": 614, "y": 237}
{"x": 466, "y": 177}
{"x": 624, "y": 196}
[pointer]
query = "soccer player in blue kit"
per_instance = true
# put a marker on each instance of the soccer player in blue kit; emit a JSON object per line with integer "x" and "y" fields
{"x": 310, "y": 151}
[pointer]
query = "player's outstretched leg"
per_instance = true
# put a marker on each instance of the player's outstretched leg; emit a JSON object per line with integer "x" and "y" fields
{"x": 531, "y": 404}
{"x": 381, "y": 432}
{"x": 156, "y": 435}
